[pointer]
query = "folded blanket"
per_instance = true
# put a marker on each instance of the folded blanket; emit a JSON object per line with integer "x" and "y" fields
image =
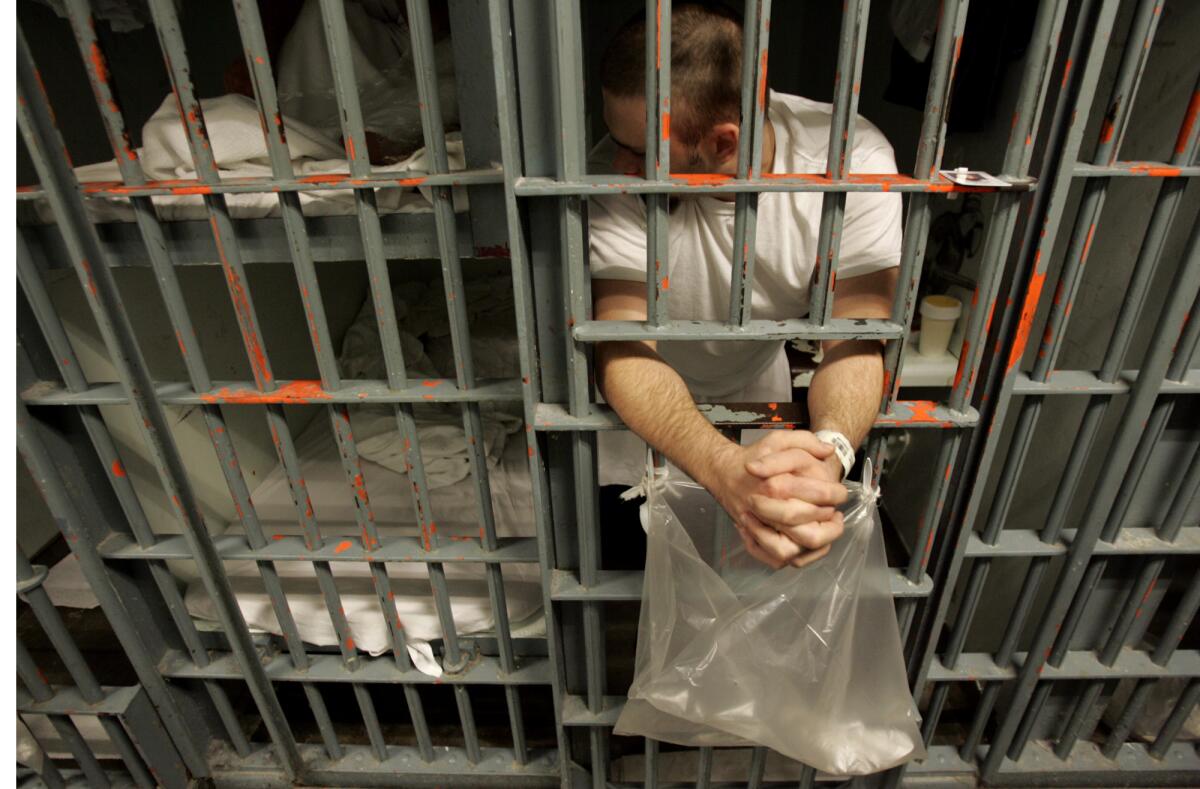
{"x": 240, "y": 151}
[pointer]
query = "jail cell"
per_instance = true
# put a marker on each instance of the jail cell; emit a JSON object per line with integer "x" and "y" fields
{"x": 518, "y": 678}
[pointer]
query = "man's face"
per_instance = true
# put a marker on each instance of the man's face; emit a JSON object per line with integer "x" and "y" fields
{"x": 625, "y": 117}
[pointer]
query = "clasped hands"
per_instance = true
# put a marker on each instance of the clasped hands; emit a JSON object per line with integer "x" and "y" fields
{"x": 782, "y": 494}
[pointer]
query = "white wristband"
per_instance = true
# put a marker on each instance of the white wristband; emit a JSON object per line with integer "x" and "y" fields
{"x": 841, "y": 447}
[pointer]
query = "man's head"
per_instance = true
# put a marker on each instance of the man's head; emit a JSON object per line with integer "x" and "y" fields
{"x": 706, "y": 67}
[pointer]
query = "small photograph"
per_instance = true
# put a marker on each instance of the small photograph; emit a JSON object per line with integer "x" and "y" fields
{"x": 965, "y": 177}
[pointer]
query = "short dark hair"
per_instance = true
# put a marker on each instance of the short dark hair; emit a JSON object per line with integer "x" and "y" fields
{"x": 706, "y": 66}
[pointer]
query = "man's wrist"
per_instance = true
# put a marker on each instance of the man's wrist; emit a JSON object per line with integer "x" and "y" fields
{"x": 843, "y": 454}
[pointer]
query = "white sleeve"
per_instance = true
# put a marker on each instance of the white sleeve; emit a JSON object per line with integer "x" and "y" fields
{"x": 872, "y": 228}
{"x": 617, "y": 237}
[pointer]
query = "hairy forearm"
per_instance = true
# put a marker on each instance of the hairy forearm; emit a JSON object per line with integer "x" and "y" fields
{"x": 655, "y": 403}
{"x": 846, "y": 389}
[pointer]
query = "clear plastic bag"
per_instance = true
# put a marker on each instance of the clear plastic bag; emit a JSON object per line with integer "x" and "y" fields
{"x": 806, "y": 661}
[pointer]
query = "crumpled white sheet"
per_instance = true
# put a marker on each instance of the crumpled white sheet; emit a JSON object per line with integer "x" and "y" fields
{"x": 240, "y": 151}
{"x": 420, "y": 312}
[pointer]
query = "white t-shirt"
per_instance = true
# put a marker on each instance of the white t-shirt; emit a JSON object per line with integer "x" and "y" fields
{"x": 701, "y": 244}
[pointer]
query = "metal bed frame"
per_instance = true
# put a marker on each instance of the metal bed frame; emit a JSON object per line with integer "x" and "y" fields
{"x": 179, "y": 722}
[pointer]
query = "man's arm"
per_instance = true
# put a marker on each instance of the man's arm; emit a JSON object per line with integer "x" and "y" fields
{"x": 847, "y": 386}
{"x": 655, "y": 403}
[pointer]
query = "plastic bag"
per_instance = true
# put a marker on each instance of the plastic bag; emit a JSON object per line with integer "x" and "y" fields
{"x": 806, "y": 661}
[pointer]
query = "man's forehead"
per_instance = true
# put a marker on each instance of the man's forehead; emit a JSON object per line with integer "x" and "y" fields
{"x": 625, "y": 117}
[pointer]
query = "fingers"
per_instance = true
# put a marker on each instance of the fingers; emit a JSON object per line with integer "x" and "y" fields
{"x": 796, "y": 439}
{"x": 820, "y": 492}
{"x": 816, "y": 535}
{"x": 766, "y": 544}
{"x": 789, "y": 511}
{"x": 809, "y": 557}
{"x": 785, "y": 461}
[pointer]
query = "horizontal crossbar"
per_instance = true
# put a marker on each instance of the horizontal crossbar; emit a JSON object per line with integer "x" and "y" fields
{"x": 1130, "y": 542}
{"x": 756, "y": 330}
{"x": 709, "y": 183}
{"x": 626, "y": 585}
{"x": 1077, "y": 664}
{"x": 904, "y": 414}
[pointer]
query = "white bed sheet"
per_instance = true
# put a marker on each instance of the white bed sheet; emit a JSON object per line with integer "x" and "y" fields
{"x": 455, "y": 512}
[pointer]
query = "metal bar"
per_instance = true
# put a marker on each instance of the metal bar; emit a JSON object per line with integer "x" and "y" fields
{"x": 456, "y": 307}
{"x": 84, "y": 28}
{"x": 944, "y": 61}
{"x": 48, "y": 772}
{"x": 760, "y": 330}
{"x": 651, "y": 763}
{"x": 337, "y": 39}
{"x": 658, "y": 158}
{"x": 756, "y": 25}
{"x": 704, "y": 768}
{"x": 171, "y": 41}
{"x": 758, "y": 766}
{"x": 300, "y": 392}
{"x": 566, "y": 52}
{"x": 91, "y": 266}
{"x": 841, "y": 147}
{"x": 1135, "y": 169}
{"x": 295, "y": 185}
{"x": 1179, "y": 715}
{"x": 500, "y": 28}
{"x": 716, "y": 183}
{"x": 1182, "y": 294}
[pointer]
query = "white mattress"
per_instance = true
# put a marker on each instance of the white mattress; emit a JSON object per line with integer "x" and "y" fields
{"x": 455, "y": 513}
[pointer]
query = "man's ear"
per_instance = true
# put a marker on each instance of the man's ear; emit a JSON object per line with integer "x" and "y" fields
{"x": 723, "y": 145}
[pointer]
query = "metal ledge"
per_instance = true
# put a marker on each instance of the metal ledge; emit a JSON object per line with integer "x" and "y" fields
{"x": 1134, "y": 169}
{"x": 1129, "y": 542}
{"x": 1086, "y": 766}
{"x": 760, "y": 330}
{"x": 711, "y": 183}
{"x": 305, "y": 392}
{"x": 904, "y": 414}
{"x": 1086, "y": 382}
{"x": 190, "y": 242}
{"x": 380, "y": 670}
{"x": 1078, "y": 664}
{"x": 626, "y": 585}
{"x": 288, "y": 548}
{"x": 575, "y": 711}
{"x": 360, "y": 767}
{"x": 69, "y": 701}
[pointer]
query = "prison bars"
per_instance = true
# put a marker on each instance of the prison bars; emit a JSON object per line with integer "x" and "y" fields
{"x": 44, "y": 144}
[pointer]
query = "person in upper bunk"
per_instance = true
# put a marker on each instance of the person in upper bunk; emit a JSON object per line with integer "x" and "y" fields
{"x": 782, "y": 491}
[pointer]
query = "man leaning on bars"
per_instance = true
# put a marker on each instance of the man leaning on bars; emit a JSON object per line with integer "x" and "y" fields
{"x": 781, "y": 491}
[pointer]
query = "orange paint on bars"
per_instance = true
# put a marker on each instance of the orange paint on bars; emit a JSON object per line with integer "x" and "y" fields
{"x": 1106, "y": 131}
{"x": 1153, "y": 171}
{"x": 1066, "y": 71}
{"x": 962, "y": 362}
{"x": 1028, "y": 309}
{"x": 291, "y": 392}
{"x": 666, "y": 283}
{"x": 343, "y": 546}
{"x": 1189, "y": 120}
{"x": 117, "y": 469}
{"x": 431, "y": 384}
{"x": 762, "y": 81}
{"x": 350, "y": 644}
{"x": 350, "y": 147}
{"x": 97, "y": 58}
{"x": 666, "y": 126}
{"x": 701, "y": 179}
{"x": 1087, "y": 244}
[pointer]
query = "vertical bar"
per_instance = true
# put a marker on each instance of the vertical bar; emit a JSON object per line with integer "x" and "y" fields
{"x": 704, "y": 775}
{"x": 1181, "y": 295}
{"x": 81, "y": 674}
{"x": 946, "y": 48}
{"x": 83, "y": 27}
{"x": 756, "y": 25}
{"x": 1179, "y": 715}
{"x": 651, "y": 759}
{"x": 499, "y": 25}
{"x": 658, "y": 157}
{"x": 337, "y": 39}
{"x": 568, "y": 79}
{"x": 228, "y": 249}
{"x": 758, "y": 766}
{"x": 91, "y": 265}
{"x": 841, "y": 145}
{"x": 48, "y": 773}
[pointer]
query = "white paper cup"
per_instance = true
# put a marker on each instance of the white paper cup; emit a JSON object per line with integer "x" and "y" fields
{"x": 938, "y": 316}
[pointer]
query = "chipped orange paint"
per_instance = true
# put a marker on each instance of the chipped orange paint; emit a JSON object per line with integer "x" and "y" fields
{"x": 98, "y": 64}
{"x": 1106, "y": 131}
{"x": 1028, "y": 310}
{"x": 290, "y": 392}
{"x": 762, "y": 81}
{"x": 241, "y": 304}
{"x": 350, "y": 147}
{"x": 1066, "y": 72}
{"x": 343, "y": 546}
{"x": 350, "y": 644}
{"x": 117, "y": 469}
{"x": 1155, "y": 171}
{"x": 666, "y": 126}
{"x": 1087, "y": 246}
{"x": 431, "y": 383}
{"x": 666, "y": 283}
{"x": 1189, "y": 120}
